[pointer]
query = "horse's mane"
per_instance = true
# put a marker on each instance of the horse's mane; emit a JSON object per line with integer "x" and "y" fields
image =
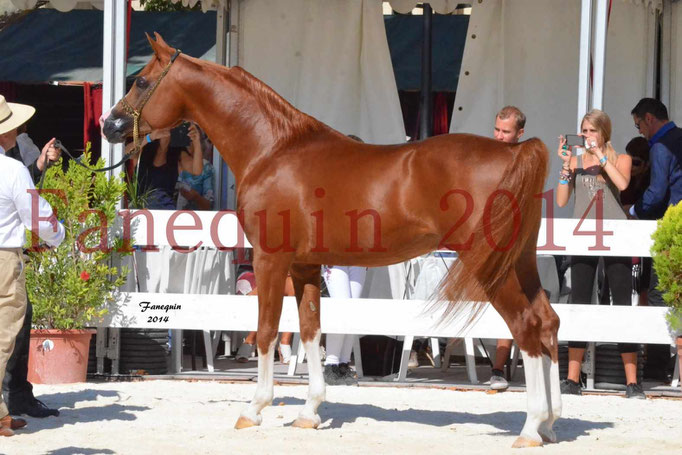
{"x": 287, "y": 122}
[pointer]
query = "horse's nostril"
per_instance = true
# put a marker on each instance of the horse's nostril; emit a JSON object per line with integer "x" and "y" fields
{"x": 115, "y": 129}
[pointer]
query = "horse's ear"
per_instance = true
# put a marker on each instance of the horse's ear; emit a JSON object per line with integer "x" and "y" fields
{"x": 153, "y": 44}
{"x": 159, "y": 40}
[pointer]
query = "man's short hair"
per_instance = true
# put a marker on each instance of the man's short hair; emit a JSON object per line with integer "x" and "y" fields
{"x": 650, "y": 106}
{"x": 509, "y": 111}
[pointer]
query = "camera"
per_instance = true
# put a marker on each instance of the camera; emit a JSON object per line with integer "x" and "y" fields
{"x": 575, "y": 140}
{"x": 180, "y": 136}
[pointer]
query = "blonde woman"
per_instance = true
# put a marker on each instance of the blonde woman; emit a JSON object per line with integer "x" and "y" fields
{"x": 596, "y": 178}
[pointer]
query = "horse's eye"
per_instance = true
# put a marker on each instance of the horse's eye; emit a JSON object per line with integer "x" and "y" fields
{"x": 142, "y": 82}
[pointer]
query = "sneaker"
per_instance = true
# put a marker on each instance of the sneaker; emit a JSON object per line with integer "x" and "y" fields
{"x": 245, "y": 352}
{"x": 634, "y": 390}
{"x": 497, "y": 381}
{"x": 569, "y": 387}
{"x": 332, "y": 375}
{"x": 284, "y": 353}
{"x": 349, "y": 376}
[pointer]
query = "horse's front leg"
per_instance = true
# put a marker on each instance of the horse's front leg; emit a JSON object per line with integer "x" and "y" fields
{"x": 307, "y": 285}
{"x": 270, "y": 275}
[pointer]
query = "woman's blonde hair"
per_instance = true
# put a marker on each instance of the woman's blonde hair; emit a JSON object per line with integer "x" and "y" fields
{"x": 601, "y": 121}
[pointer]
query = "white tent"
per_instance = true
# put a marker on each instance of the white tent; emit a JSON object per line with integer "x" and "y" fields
{"x": 330, "y": 59}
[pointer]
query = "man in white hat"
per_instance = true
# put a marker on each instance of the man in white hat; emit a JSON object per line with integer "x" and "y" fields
{"x": 17, "y": 390}
{"x": 13, "y": 139}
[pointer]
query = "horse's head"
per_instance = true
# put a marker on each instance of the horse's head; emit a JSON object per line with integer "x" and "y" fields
{"x": 153, "y": 98}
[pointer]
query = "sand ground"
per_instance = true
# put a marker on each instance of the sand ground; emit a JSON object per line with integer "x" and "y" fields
{"x": 197, "y": 417}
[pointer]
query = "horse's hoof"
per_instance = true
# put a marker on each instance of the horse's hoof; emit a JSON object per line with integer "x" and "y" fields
{"x": 548, "y": 435}
{"x": 522, "y": 442}
{"x": 302, "y": 422}
{"x": 244, "y": 422}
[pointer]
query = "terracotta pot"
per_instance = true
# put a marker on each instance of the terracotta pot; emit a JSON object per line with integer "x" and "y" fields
{"x": 58, "y": 356}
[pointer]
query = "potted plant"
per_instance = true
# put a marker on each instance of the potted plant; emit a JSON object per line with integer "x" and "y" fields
{"x": 667, "y": 256}
{"x": 70, "y": 286}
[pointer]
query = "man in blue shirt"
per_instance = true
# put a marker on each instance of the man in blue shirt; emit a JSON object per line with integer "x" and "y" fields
{"x": 665, "y": 184}
{"x": 665, "y": 139}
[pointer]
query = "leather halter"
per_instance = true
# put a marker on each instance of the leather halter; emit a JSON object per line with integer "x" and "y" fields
{"x": 136, "y": 113}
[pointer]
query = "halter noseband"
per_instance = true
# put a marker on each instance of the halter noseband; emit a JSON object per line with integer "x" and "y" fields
{"x": 136, "y": 113}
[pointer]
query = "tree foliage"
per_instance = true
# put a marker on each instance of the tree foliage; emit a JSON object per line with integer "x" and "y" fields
{"x": 667, "y": 255}
{"x": 167, "y": 5}
{"x": 69, "y": 286}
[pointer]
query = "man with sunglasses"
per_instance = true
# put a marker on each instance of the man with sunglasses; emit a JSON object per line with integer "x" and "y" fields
{"x": 665, "y": 184}
{"x": 665, "y": 138}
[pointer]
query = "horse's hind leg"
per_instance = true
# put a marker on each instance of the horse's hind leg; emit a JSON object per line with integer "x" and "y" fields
{"x": 306, "y": 280}
{"x": 525, "y": 325}
{"x": 271, "y": 273}
{"x": 526, "y": 269}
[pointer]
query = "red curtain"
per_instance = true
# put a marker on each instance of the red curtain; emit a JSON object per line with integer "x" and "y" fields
{"x": 92, "y": 111}
{"x": 440, "y": 114}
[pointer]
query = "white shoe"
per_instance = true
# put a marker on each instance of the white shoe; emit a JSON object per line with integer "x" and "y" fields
{"x": 284, "y": 353}
{"x": 498, "y": 382}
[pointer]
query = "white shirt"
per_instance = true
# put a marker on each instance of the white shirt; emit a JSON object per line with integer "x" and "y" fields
{"x": 15, "y": 208}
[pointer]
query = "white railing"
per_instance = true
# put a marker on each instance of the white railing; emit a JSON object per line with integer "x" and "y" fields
{"x": 407, "y": 318}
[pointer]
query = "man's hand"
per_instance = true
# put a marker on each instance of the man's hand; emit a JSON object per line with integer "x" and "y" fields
{"x": 50, "y": 153}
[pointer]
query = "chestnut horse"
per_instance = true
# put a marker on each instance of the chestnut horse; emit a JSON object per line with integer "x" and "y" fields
{"x": 310, "y": 195}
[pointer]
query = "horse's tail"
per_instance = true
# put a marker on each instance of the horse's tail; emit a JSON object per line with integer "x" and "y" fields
{"x": 504, "y": 231}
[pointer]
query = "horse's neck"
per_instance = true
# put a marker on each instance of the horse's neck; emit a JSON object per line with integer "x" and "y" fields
{"x": 244, "y": 118}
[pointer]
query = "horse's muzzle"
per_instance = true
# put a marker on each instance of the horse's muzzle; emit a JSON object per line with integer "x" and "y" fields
{"x": 116, "y": 129}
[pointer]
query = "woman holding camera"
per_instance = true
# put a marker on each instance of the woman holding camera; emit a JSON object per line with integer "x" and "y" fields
{"x": 596, "y": 178}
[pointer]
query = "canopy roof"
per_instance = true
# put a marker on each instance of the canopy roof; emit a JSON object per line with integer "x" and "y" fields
{"x": 74, "y": 50}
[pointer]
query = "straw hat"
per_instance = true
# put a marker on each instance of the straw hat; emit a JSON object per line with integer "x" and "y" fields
{"x": 13, "y": 115}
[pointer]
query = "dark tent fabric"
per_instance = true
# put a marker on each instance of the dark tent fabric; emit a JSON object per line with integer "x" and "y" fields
{"x": 404, "y": 35}
{"x": 47, "y": 45}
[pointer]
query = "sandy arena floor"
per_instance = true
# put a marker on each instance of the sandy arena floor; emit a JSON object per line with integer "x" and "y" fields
{"x": 183, "y": 417}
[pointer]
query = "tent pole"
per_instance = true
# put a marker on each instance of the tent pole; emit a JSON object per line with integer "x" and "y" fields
{"x": 221, "y": 51}
{"x": 666, "y": 53}
{"x": 425, "y": 104}
{"x": 113, "y": 89}
{"x": 113, "y": 69}
{"x": 584, "y": 59}
{"x": 228, "y": 181}
{"x": 652, "y": 53}
{"x": 600, "y": 27}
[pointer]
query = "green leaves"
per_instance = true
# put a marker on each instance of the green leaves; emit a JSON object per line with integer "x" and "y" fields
{"x": 667, "y": 255}
{"x": 70, "y": 285}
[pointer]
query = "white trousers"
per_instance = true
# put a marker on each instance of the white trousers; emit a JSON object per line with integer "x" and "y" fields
{"x": 343, "y": 282}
